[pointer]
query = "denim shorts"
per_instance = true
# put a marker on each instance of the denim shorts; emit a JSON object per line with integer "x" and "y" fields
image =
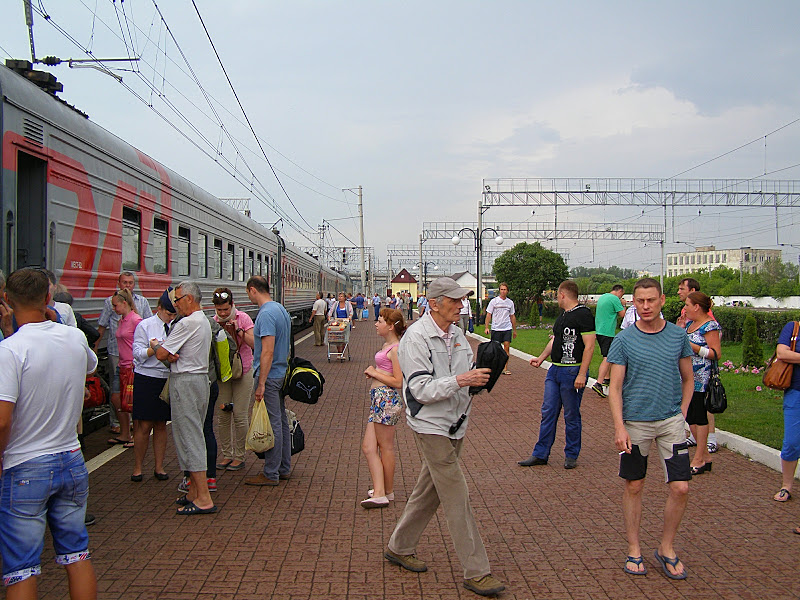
{"x": 47, "y": 490}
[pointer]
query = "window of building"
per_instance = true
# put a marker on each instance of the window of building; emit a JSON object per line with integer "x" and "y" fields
{"x": 229, "y": 258}
{"x": 216, "y": 259}
{"x": 705, "y": 259}
{"x": 724, "y": 257}
{"x": 131, "y": 239}
{"x": 184, "y": 250}
{"x": 202, "y": 255}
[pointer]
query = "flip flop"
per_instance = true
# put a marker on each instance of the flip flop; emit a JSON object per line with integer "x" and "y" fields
{"x": 116, "y": 440}
{"x": 224, "y": 464}
{"x": 796, "y": 530}
{"x": 182, "y": 501}
{"x": 783, "y": 495}
{"x": 671, "y": 561}
{"x": 637, "y": 560}
{"x": 193, "y": 509}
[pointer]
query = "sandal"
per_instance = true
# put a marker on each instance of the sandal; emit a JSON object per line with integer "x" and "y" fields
{"x": 193, "y": 509}
{"x": 673, "y": 562}
{"x": 783, "y": 495}
{"x": 637, "y": 560}
{"x": 796, "y": 530}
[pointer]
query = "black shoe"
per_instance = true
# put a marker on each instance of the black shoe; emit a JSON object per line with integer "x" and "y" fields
{"x": 161, "y": 476}
{"x": 532, "y": 461}
{"x": 570, "y": 463}
{"x": 89, "y": 520}
{"x": 137, "y": 478}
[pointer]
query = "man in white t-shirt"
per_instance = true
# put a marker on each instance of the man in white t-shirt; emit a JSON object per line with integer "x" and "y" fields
{"x": 501, "y": 324}
{"x": 318, "y": 313}
{"x": 43, "y": 368}
{"x": 187, "y": 348}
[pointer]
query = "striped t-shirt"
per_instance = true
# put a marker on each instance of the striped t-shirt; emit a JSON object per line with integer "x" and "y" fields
{"x": 651, "y": 390}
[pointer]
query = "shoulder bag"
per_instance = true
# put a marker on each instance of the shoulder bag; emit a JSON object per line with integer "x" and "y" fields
{"x": 778, "y": 374}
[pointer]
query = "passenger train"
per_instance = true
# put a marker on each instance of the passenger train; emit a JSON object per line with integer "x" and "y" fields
{"x": 87, "y": 205}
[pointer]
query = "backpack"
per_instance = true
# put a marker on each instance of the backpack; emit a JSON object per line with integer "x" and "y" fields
{"x": 237, "y": 368}
{"x": 222, "y": 352}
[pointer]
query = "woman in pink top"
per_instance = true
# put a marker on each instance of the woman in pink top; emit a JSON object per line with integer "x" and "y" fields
{"x": 122, "y": 302}
{"x": 385, "y": 409}
{"x": 234, "y": 394}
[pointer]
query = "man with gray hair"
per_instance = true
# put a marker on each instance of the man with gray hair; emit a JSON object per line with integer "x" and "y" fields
{"x": 435, "y": 358}
{"x": 187, "y": 348}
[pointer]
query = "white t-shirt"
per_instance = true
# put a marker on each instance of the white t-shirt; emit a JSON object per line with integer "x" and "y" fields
{"x": 320, "y": 308}
{"x": 190, "y": 338}
{"x": 66, "y": 313}
{"x": 43, "y": 369}
{"x": 501, "y": 311}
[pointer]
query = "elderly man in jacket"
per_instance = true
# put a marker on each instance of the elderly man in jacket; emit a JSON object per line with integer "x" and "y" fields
{"x": 435, "y": 358}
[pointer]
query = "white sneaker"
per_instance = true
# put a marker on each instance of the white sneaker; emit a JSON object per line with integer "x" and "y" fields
{"x": 712, "y": 447}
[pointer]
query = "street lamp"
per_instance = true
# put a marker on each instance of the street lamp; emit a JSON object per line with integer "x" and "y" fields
{"x": 424, "y": 272}
{"x": 477, "y": 233}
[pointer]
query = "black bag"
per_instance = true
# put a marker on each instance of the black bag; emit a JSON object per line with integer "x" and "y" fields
{"x": 716, "y": 399}
{"x": 303, "y": 382}
{"x": 491, "y": 355}
{"x": 298, "y": 437}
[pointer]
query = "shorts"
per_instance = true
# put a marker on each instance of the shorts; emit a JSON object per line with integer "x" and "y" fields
{"x": 501, "y": 336}
{"x": 47, "y": 490}
{"x": 604, "y": 342}
{"x": 386, "y": 406}
{"x": 670, "y": 438}
{"x": 697, "y": 415}
{"x": 113, "y": 370}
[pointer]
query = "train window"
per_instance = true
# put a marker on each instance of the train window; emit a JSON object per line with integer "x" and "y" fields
{"x": 216, "y": 259}
{"x": 202, "y": 253}
{"x": 251, "y": 263}
{"x": 242, "y": 264}
{"x": 259, "y": 265}
{"x": 184, "y": 249}
{"x": 131, "y": 239}
{"x": 160, "y": 245}
{"x": 229, "y": 258}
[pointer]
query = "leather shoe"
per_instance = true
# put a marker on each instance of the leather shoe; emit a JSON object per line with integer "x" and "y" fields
{"x": 532, "y": 461}
{"x": 260, "y": 479}
{"x": 570, "y": 463}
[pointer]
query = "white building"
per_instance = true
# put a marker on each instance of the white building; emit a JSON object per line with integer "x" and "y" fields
{"x": 708, "y": 258}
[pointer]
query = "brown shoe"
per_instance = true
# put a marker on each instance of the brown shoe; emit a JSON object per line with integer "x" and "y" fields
{"x": 286, "y": 477}
{"x": 484, "y": 586}
{"x": 260, "y": 479}
{"x": 408, "y": 561}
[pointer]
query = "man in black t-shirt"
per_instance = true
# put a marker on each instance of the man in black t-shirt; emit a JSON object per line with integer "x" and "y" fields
{"x": 571, "y": 349}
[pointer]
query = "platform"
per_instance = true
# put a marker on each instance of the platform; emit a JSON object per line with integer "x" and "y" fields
{"x": 550, "y": 533}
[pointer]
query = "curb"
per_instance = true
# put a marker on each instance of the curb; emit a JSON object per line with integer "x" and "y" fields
{"x": 750, "y": 449}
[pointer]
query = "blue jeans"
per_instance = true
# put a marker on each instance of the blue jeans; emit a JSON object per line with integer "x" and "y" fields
{"x": 47, "y": 490}
{"x": 377, "y": 309}
{"x": 791, "y": 425}
{"x": 278, "y": 459}
{"x": 559, "y": 391}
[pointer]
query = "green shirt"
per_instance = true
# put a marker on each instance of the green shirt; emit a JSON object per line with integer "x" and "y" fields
{"x": 605, "y": 318}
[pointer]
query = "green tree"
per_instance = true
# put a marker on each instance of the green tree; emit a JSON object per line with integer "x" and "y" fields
{"x": 529, "y": 270}
{"x": 752, "y": 352}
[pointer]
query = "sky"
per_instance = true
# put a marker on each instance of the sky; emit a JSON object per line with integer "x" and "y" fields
{"x": 419, "y": 102}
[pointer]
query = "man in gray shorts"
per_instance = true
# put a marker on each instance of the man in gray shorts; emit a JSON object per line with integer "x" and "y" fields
{"x": 651, "y": 387}
{"x": 187, "y": 349}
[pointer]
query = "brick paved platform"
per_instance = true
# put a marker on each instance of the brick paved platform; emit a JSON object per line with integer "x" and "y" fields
{"x": 550, "y": 533}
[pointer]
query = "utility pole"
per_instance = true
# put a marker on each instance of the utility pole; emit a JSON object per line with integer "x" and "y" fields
{"x": 421, "y": 282}
{"x": 361, "y": 241}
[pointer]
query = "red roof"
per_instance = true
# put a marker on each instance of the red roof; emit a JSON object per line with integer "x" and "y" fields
{"x": 404, "y": 277}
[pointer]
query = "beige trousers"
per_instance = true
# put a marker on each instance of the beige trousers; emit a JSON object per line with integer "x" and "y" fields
{"x": 319, "y": 330}
{"x": 441, "y": 482}
{"x": 233, "y": 426}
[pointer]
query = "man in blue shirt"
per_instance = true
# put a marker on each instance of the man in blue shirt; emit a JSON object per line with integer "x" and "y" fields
{"x": 272, "y": 334}
{"x": 651, "y": 387}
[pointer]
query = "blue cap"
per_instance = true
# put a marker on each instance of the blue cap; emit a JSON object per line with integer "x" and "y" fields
{"x": 166, "y": 300}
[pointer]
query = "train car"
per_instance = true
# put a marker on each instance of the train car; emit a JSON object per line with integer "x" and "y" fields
{"x": 82, "y": 202}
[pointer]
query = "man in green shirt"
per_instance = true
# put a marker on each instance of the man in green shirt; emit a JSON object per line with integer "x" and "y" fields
{"x": 609, "y": 307}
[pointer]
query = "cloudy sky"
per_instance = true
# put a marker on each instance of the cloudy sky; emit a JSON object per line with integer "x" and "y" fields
{"x": 418, "y": 102}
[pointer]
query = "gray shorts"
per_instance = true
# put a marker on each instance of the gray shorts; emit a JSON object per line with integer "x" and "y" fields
{"x": 188, "y": 399}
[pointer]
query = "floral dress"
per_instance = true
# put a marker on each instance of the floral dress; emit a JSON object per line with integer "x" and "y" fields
{"x": 701, "y": 366}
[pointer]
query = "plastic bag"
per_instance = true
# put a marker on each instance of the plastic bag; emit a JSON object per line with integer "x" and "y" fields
{"x": 126, "y": 390}
{"x": 259, "y": 437}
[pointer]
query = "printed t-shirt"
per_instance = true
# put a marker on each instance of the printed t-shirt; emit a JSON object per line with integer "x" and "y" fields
{"x": 273, "y": 320}
{"x": 190, "y": 338}
{"x": 501, "y": 311}
{"x": 43, "y": 370}
{"x": 568, "y": 332}
{"x": 125, "y": 329}
{"x": 651, "y": 390}
{"x": 605, "y": 319}
{"x": 785, "y": 338}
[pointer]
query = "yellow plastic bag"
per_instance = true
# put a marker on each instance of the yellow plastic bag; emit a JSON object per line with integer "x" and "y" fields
{"x": 259, "y": 437}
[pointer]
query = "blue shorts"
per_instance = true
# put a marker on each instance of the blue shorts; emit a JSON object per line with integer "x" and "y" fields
{"x": 47, "y": 490}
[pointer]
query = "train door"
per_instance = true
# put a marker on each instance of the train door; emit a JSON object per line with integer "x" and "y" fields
{"x": 31, "y": 217}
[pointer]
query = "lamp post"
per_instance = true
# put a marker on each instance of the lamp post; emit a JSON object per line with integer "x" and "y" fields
{"x": 477, "y": 233}
{"x": 423, "y": 268}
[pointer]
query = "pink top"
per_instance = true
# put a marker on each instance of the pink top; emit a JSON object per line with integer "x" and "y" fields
{"x": 382, "y": 360}
{"x": 125, "y": 328}
{"x": 245, "y": 323}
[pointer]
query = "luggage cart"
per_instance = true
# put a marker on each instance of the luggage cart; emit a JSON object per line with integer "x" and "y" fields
{"x": 338, "y": 334}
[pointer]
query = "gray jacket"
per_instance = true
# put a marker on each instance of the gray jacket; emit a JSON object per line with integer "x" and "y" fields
{"x": 434, "y": 401}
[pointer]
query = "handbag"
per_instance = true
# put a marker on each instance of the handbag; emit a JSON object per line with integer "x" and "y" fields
{"x": 778, "y": 374}
{"x": 126, "y": 390}
{"x": 716, "y": 398}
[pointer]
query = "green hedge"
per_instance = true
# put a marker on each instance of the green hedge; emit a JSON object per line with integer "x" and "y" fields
{"x": 768, "y": 323}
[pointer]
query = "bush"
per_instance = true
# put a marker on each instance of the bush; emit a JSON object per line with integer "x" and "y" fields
{"x": 768, "y": 323}
{"x": 672, "y": 309}
{"x": 752, "y": 353}
{"x": 533, "y": 315}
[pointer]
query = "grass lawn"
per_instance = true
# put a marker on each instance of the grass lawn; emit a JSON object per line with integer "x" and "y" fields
{"x": 757, "y": 415}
